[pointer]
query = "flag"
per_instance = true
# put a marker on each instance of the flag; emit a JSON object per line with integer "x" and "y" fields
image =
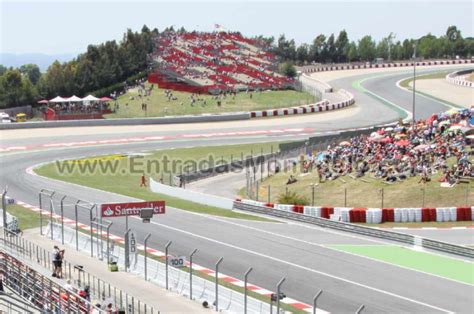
{"x": 219, "y": 28}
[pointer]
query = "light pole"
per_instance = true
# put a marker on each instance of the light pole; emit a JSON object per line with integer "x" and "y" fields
{"x": 414, "y": 86}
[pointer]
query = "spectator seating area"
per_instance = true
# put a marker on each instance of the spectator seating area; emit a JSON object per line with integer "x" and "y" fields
{"x": 214, "y": 62}
{"x": 442, "y": 144}
{"x": 39, "y": 290}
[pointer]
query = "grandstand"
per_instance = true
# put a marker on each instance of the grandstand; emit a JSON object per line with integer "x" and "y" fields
{"x": 214, "y": 62}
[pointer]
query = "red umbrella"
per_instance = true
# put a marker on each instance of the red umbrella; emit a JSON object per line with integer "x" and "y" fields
{"x": 105, "y": 99}
{"x": 402, "y": 143}
{"x": 44, "y": 101}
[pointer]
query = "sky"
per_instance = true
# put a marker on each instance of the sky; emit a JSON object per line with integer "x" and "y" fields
{"x": 61, "y": 27}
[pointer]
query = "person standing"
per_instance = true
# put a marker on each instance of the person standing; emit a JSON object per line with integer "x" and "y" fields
{"x": 58, "y": 256}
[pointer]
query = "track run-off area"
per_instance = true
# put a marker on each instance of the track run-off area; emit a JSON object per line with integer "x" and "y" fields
{"x": 350, "y": 269}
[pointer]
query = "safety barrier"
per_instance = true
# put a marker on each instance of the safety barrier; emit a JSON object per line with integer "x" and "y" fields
{"x": 377, "y": 215}
{"x": 459, "y": 78}
{"x": 383, "y": 65}
{"x": 353, "y": 228}
{"x": 323, "y": 105}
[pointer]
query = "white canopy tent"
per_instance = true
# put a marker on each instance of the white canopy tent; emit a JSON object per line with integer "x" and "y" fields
{"x": 90, "y": 98}
{"x": 74, "y": 98}
{"x": 58, "y": 99}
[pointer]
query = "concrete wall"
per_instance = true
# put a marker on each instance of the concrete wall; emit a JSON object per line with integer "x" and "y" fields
{"x": 131, "y": 121}
{"x": 459, "y": 78}
{"x": 196, "y": 197}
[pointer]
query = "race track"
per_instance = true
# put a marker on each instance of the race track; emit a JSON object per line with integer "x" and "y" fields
{"x": 274, "y": 249}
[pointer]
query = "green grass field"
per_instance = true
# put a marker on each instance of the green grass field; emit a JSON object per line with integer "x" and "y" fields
{"x": 422, "y": 261}
{"x": 366, "y": 191}
{"x": 124, "y": 180}
{"x": 438, "y": 75}
{"x": 26, "y": 217}
{"x": 158, "y": 104}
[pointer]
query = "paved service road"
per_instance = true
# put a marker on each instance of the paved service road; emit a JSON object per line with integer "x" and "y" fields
{"x": 273, "y": 249}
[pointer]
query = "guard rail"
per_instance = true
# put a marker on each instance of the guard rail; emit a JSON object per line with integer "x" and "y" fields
{"x": 367, "y": 231}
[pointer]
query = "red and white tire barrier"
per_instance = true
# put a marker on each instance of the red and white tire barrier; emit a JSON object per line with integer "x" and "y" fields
{"x": 376, "y": 215}
{"x": 234, "y": 281}
{"x": 458, "y": 79}
{"x": 323, "y": 105}
{"x": 383, "y": 65}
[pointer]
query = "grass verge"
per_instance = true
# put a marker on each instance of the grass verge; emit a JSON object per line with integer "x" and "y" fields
{"x": 347, "y": 191}
{"x": 121, "y": 174}
{"x": 430, "y": 263}
{"x": 27, "y": 219}
{"x": 130, "y": 104}
{"x": 438, "y": 75}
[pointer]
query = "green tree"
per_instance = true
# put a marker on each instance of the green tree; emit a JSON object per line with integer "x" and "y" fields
{"x": 330, "y": 55}
{"x": 366, "y": 48}
{"x": 352, "y": 53}
{"x": 342, "y": 46}
{"x": 302, "y": 53}
{"x": 316, "y": 48}
{"x": 3, "y": 69}
{"x": 288, "y": 69}
{"x": 32, "y": 71}
{"x": 15, "y": 89}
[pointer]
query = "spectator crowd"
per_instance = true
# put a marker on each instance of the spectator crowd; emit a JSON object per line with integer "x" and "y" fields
{"x": 441, "y": 144}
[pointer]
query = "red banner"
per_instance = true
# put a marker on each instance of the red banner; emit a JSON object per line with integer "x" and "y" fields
{"x": 131, "y": 209}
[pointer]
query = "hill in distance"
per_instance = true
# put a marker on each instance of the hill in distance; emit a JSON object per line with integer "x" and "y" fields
{"x": 42, "y": 60}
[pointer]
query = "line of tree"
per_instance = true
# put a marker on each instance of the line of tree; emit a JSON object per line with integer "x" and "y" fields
{"x": 101, "y": 69}
{"x": 104, "y": 68}
{"x": 339, "y": 49}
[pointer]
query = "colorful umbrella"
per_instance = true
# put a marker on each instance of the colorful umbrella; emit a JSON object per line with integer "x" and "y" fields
{"x": 345, "y": 143}
{"x": 455, "y": 127}
{"x": 402, "y": 143}
{"x": 422, "y": 147}
{"x": 452, "y": 111}
{"x": 43, "y": 101}
{"x": 443, "y": 123}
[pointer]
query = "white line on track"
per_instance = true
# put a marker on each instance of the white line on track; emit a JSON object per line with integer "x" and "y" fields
{"x": 302, "y": 267}
{"x": 335, "y": 249}
{"x": 422, "y": 95}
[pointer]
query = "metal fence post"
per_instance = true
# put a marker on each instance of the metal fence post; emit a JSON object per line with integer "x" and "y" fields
{"x": 191, "y": 273}
{"x": 312, "y": 194}
{"x": 315, "y": 300}
{"x": 108, "y": 242}
{"x": 278, "y": 293}
{"x": 269, "y": 193}
{"x": 382, "y": 191}
{"x": 217, "y": 283}
{"x": 51, "y": 217}
{"x": 345, "y": 197}
{"x": 145, "y": 243}
{"x": 90, "y": 230}
{"x": 77, "y": 226}
{"x": 359, "y": 310}
{"x": 257, "y": 187}
{"x": 245, "y": 288}
{"x": 166, "y": 257}
{"x": 62, "y": 219}
{"x": 4, "y": 211}
{"x": 127, "y": 250}
{"x": 40, "y": 201}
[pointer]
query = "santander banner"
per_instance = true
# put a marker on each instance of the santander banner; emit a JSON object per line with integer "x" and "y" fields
{"x": 131, "y": 209}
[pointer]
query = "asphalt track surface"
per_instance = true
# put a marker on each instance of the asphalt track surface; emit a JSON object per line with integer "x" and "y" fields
{"x": 274, "y": 250}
